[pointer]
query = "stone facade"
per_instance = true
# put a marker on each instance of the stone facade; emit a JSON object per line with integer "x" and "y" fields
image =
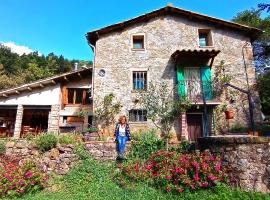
{"x": 163, "y": 36}
{"x": 247, "y": 160}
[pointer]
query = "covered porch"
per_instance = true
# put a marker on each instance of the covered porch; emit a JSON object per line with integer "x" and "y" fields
{"x": 193, "y": 75}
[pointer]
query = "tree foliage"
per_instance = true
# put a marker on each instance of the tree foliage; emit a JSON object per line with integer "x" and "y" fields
{"x": 263, "y": 84}
{"x": 162, "y": 106}
{"x": 16, "y": 70}
{"x": 253, "y": 18}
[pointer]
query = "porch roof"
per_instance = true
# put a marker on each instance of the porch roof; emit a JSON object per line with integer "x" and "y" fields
{"x": 205, "y": 53}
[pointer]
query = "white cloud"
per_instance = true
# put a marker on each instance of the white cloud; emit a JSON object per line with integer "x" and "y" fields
{"x": 19, "y": 49}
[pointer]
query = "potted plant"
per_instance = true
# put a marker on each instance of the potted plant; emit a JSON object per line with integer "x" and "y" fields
{"x": 229, "y": 114}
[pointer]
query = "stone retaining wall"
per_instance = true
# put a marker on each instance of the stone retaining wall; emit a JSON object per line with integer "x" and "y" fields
{"x": 104, "y": 151}
{"x": 58, "y": 160}
{"x": 247, "y": 160}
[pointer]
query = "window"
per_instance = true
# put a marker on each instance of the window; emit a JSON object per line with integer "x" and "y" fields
{"x": 205, "y": 38}
{"x": 138, "y": 41}
{"x": 139, "y": 80}
{"x": 78, "y": 96}
{"x": 137, "y": 115}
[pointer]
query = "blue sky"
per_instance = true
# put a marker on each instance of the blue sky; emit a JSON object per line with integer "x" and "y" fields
{"x": 59, "y": 26}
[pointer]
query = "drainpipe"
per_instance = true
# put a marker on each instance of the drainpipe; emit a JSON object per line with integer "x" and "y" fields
{"x": 93, "y": 74}
{"x": 250, "y": 103}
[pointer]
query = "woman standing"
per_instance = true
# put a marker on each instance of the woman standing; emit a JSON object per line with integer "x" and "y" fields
{"x": 122, "y": 134}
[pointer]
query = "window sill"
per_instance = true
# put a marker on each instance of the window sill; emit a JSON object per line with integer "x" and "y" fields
{"x": 138, "y": 91}
{"x": 206, "y": 46}
{"x": 134, "y": 49}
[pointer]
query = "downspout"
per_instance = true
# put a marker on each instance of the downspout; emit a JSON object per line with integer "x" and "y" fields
{"x": 93, "y": 73}
{"x": 250, "y": 104}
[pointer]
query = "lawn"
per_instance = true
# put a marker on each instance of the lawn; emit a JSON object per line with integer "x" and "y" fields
{"x": 93, "y": 180}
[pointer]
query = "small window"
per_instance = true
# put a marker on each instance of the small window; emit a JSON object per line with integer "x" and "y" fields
{"x": 138, "y": 42}
{"x": 139, "y": 80}
{"x": 137, "y": 115}
{"x": 205, "y": 38}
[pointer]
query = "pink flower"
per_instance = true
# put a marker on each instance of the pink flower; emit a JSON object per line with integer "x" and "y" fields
{"x": 212, "y": 178}
{"x": 195, "y": 164}
{"x": 217, "y": 167}
{"x": 21, "y": 191}
{"x": 28, "y": 175}
{"x": 168, "y": 189}
{"x": 196, "y": 177}
{"x": 180, "y": 190}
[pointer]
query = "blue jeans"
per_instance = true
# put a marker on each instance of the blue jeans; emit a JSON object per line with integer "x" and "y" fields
{"x": 121, "y": 144}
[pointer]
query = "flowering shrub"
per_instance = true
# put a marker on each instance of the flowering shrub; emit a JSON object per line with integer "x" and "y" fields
{"x": 18, "y": 178}
{"x": 177, "y": 172}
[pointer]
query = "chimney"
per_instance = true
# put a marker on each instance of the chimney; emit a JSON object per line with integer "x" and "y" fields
{"x": 75, "y": 66}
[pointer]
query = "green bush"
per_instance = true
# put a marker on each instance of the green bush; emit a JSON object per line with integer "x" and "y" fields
{"x": 46, "y": 142}
{"x": 184, "y": 147}
{"x": 238, "y": 128}
{"x": 92, "y": 129}
{"x": 67, "y": 139}
{"x": 264, "y": 129}
{"x": 145, "y": 143}
{"x": 2, "y": 148}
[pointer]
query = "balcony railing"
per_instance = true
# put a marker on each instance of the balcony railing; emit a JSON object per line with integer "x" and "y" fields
{"x": 195, "y": 90}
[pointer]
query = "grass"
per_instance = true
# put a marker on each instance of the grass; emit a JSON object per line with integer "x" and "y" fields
{"x": 93, "y": 180}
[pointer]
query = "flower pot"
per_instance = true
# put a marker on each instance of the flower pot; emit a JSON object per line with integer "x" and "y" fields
{"x": 229, "y": 114}
{"x": 256, "y": 133}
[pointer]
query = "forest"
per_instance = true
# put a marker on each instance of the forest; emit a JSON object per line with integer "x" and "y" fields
{"x": 16, "y": 70}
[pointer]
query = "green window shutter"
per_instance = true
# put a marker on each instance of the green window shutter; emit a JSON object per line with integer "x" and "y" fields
{"x": 181, "y": 81}
{"x": 206, "y": 82}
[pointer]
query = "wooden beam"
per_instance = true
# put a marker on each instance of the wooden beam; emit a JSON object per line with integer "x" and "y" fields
{"x": 41, "y": 85}
{"x": 53, "y": 82}
{"x": 17, "y": 92}
{"x": 4, "y": 95}
{"x": 66, "y": 79}
{"x": 79, "y": 74}
{"x": 29, "y": 88}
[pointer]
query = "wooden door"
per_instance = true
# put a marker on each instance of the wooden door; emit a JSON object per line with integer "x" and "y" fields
{"x": 194, "y": 124}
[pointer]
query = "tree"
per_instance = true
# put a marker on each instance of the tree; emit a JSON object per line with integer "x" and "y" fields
{"x": 106, "y": 110}
{"x": 253, "y": 17}
{"x": 263, "y": 86}
{"x": 163, "y": 107}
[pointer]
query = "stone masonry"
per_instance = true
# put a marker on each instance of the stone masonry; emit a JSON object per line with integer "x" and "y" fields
{"x": 18, "y": 122}
{"x": 53, "y": 122}
{"x": 247, "y": 160}
{"x": 163, "y": 36}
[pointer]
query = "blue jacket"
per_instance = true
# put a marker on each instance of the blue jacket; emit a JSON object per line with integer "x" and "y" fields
{"x": 116, "y": 132}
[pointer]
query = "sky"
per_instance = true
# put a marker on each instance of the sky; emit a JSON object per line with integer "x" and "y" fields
{"x": 59, "y": 26}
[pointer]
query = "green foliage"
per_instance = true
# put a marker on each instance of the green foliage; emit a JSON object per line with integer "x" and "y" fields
{"x": 96, "y": 181}
{"x": 17, "y": 179}
{"x": 264, "y": 129}
{"x": 238, "y": 128}
{"x": 263, "y": 86}
{"x": 16, "y": 70}
{"x": 254, "y": 18}
{"x": 92, "y": 129}
{"x": 144, "y": 143}
{"x": 184, "y": 147}
{"x": 46, "y": 142}
{"x": 81, "y": 151}
{"x": 2, "y": 148}
{"x": 106, "y": 110}
{"x": 162, "y": 107}
{"x": 67, "y": 139}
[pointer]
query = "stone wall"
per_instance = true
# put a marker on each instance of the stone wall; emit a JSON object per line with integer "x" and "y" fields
{"x": 58, "y": 160}
{"x": 163, "y": 36}
{"x": 104, "y": 151}
{"x": 246, "y": 158}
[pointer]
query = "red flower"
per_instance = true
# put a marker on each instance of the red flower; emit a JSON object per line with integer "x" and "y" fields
{"x": 28, "y": 175}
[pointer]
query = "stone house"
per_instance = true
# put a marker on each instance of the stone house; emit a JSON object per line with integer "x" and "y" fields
{"x": 180, "y": 47}
{"x": 51, "y": 104}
